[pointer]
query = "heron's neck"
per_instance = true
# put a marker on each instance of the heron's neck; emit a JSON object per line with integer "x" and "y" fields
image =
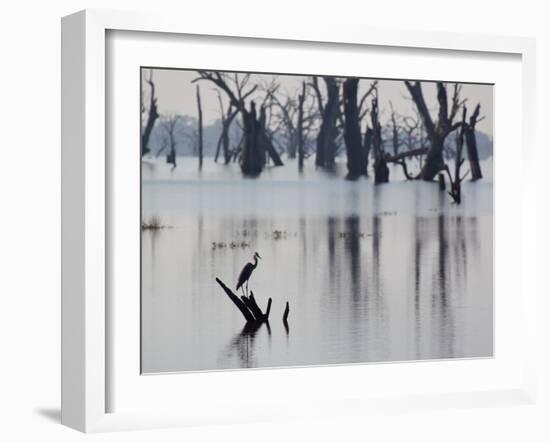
{"x": 255, "y": 261}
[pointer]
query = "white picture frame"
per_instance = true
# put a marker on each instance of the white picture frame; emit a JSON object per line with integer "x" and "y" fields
{"x": 86, "y": 201}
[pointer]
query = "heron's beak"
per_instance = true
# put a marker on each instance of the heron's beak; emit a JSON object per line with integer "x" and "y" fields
{"x": 258, "y": 256}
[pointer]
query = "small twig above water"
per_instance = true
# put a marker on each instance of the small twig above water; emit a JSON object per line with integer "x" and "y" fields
{"x": 353, "y": 235}
{"x": 247, "y": 233}
{"x": 252, "y": 313}
{"x": 285, "y": 318}
{"x": 230, "y": 245}
{"x": 277, "y": 235}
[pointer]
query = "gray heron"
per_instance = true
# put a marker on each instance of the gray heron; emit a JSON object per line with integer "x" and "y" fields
{"x": 246, "y": 272}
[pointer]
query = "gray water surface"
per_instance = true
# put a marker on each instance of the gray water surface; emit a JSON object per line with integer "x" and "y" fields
{"x": 372, "y": 273}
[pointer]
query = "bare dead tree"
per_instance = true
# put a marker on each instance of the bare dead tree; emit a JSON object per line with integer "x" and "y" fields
{"x": 416, "y": 135}
{"x": 411, "y": 128}
{"x": 269, "y": 129}
{"x": 367, "y": 145}
{"x": 199, "y": 124}
{"x": 226, "y": 120}
{"x": 318, "y": 95}
{"x": 286, "y": 119}
{"x": 256, "y": 141}
{"x": 471, "y": 144}
{"x": 151, "y": 118}
{"x": 356, "y": 159}
{"x": 436, "y": 131}
{"x": 165, "y": 143}
{"x": 395, "y": 131}
{"x": 285, "y": 112}
{"x": 326, "y": 139}
{"x": 381, "y": 171}
{"x": 301, "y": 99}
{"x": 368, "y": 137}
{"x": 171, "y": 128}
{"x": 422, "y": 136}
{"x": 456, "y": 181}
{"x": 237, "y": 89}
{"x": 252, "y": 157}
{"x": 406, "y": 131}
{"x": 363, "y": 108}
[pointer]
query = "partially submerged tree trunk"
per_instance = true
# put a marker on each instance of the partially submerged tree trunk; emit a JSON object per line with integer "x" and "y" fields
{"x": 292, "y": 148}
{"x": 151, "y": 118}
{"x": 381, "y": 171}
{"x": 437, "y": 132}
{"x": 456, "y": 181}
{"x": 199, "y": 111}
{"x": 441, "y": 181}
{"x": 326, "y": 139}
{"x": 170, "y": 125}
{"x": 257, "y": 143}
{"x": 262, "y": 137}
{"x": 171, "y": 157}
{"x": 352, "y": 130}
{"x": 471, "y": 146}
{"x": 252, "y": 161}
{"x": 301, "y": 99}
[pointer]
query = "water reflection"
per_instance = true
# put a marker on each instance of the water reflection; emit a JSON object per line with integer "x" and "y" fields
{"x": 418, "y": 241}
{"x": 242, "y": 344}
{"x": 372, "y": 273}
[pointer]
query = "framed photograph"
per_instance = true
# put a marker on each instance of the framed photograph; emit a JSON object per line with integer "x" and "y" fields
{"x": 276, "y": 210}
{"x": 313, "y": 194}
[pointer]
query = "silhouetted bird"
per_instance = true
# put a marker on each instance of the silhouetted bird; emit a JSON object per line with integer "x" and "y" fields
{"x": 246, "y": 272}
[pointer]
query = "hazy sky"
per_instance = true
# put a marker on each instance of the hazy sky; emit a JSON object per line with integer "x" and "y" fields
{"x": 176, "y": 94}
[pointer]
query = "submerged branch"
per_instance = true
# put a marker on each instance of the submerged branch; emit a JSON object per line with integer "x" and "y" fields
{"x": 247, "y": 306}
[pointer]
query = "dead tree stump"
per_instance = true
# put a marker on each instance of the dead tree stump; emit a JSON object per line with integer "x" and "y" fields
{"x": 456, "y": 182}
{"x": 247, "y": 306}
{"x": 286, "y": 312}
{"x": 381, "y": 171}
{"x": 471, "y": 145}
{"x": 441, "y": 181}
{"x": 285, "y": 317}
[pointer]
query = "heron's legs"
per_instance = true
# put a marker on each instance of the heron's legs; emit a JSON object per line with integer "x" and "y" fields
{"x": 247, "y": 294}
{"x": 242, "y": 288}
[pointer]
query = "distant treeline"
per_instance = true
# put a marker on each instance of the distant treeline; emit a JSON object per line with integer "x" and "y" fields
{"x": 326, "y": 117}
{"x": 186, "y": 138}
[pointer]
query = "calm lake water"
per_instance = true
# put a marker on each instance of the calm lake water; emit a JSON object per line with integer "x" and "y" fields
{"x": 372, "y": 273}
